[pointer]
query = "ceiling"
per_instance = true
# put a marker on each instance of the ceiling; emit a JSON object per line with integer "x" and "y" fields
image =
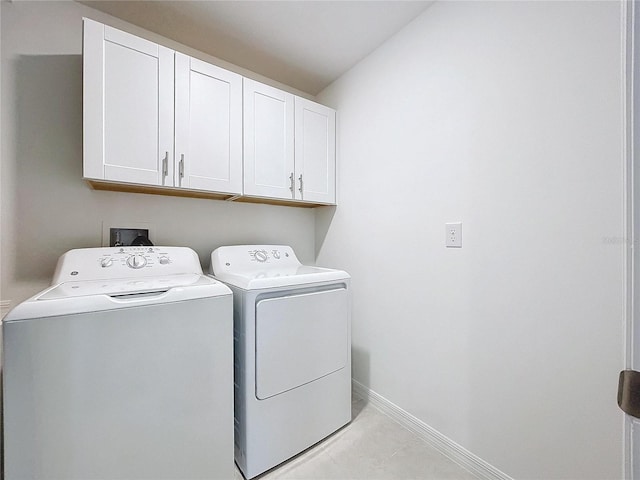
{"x": 303, "y": 44}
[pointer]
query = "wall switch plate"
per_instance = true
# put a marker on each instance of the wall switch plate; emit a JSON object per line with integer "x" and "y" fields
{"x": 453, "y": 235}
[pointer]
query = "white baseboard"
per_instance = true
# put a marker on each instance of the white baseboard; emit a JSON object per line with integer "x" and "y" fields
{"x": 437, "y": 440}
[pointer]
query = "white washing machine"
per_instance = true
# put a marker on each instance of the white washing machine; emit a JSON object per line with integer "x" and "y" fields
{"x": 292, "y": 339}
{"x": 122, "y": 369}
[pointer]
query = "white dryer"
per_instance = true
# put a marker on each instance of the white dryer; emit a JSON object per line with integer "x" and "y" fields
{"x": 292, "y": 344}
{"x": 121, "y": 369}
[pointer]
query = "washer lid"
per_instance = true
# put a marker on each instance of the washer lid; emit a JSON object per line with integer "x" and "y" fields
{"x": 253, "y": 267}
{"x": 98, "y": 295}
{"x": 121, "y": 287}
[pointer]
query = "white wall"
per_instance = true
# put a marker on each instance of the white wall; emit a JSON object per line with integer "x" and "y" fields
{"x": 506, "y": 116}
{"x": 47, "y": 209}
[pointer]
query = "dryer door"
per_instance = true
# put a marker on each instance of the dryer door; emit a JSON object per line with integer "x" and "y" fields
{"x": 300, "y": 338}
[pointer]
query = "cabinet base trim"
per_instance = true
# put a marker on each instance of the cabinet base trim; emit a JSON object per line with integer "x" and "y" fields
{"x": 275, "y": 201}
{"x": 182, "y": 192}
{"x": 135, "y": 188}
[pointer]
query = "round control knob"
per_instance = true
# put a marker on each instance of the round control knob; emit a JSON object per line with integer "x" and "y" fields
{"x": 163, "y": 260}
{"x": 106, "y": 262}
{"x": 136, "y": 261}
{"x": 261, "y": 256}
{"x": 276, "y": 254}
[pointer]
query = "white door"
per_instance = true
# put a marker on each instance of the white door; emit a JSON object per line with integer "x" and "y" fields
{"x": 268, "y": 141}
{"x": 315, "y": 152}
{"x": 208, "y": 127}
{"x": 128, "y": 107}
{"x": 300, "y": 338}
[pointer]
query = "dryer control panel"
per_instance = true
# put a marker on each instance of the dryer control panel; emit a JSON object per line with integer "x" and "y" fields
{"x": 267, "y": 266}
{"x": 271, "y": 253}
{"x": 125, "y": 262}
{"x": 254, "y": 257}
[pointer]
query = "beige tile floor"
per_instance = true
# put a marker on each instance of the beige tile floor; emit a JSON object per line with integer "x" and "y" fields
{"x": 371, "y": 447}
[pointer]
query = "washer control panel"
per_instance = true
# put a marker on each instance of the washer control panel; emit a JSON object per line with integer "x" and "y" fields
{"x": 125, "y": 262}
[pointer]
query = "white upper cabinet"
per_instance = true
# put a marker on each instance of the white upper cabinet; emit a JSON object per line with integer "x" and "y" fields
{"x": 268, "y": 141}
{"x": 130, "y": 88}
{"x": 208, "y": 142}
{"x": 128, "y": 107}
{"x": 159, "y": 121}
{"x": 289, "y": 146}
{"x": 315, "y": 152}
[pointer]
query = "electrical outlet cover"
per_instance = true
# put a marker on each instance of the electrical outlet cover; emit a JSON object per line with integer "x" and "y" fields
{"x": 453, "y": 235}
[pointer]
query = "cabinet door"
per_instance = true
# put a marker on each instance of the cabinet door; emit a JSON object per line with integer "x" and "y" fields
{"x": 208, "y": 127}
{"x": 268, "y": 141}
{"x": 128, "y": 107}
{"x": 315, "y": 152}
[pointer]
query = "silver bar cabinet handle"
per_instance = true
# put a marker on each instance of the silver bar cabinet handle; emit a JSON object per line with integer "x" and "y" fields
{"x": 301, "y": 184}
{"x": 291, "y": 187}
{"x": 165, "y": 164}
{"x": 181, "y": 166}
